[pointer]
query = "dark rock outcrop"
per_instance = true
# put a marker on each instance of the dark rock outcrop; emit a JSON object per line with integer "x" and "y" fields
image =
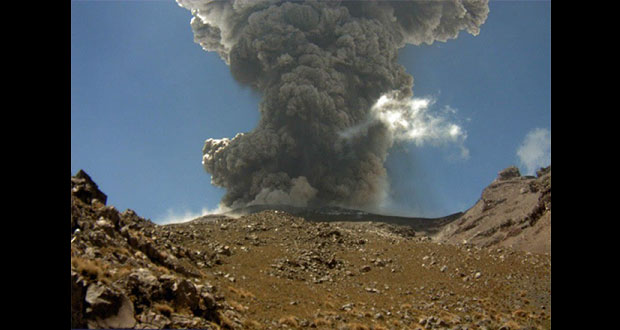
{"x": 124, "y": 271}
{"x": 85, "y": 189}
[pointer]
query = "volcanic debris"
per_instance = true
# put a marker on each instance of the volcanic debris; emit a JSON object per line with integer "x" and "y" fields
{"x": 272, "y": 270}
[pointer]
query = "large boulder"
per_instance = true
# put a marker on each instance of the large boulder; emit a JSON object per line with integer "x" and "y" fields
{"x": 108, "y": 308}
{"x": 110, "y": 213}
{"x": 144, "y": 285}
{"x": 187, "y": 295}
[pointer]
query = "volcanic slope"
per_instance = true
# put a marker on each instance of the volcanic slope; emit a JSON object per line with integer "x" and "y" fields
{"x": 513, "y": 211}
{"x": 271, "y": 270}
{"x": 427, "y": 226}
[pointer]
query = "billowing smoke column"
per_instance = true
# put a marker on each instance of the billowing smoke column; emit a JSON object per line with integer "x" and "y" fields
{"x": 322, "y": 67}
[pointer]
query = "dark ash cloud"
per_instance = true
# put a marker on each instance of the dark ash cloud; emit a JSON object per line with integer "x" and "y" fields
{"x": 320, "y": 66}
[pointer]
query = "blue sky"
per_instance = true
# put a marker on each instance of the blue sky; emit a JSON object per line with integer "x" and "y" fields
{"x": 144, "y": 97}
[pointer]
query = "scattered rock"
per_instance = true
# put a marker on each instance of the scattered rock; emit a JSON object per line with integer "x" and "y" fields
{"x": 152, "y": 320}
{"x": 347, "y": 307}
{"x": 224, "y": 250}
{"x": 513, "y": 211}
{"x": 542, "y": 171}
{"x": 131, "y": 273}
{"x": 371, "y": 290}
{"x": 508, "y": 173}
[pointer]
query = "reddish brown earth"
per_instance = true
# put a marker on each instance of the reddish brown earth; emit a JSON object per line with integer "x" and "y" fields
{"x": 271, "y": 269}
{"x": 514, "y": 211}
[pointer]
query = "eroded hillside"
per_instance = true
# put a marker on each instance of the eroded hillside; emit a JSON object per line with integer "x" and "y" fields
{"x": 514, "y": 211}
{"x": 272, "y": 270}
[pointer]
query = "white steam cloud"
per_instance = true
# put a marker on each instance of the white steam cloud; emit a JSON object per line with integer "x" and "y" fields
{"x": 535, "y": 150}
{"x": 413, "y": 120}
{"x": 175, "y": 216}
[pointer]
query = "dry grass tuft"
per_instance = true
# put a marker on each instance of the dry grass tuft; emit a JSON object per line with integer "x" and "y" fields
{"x": 225, "y": 322}
{"x": 89, "y": 268}
{"x": 115, "y": 250}
{"x": 512, "y": 325}
{"x": 356, "y": 312}
{"x": 289, "y": 320}
{"x": 329, "y": 304}
{"x": 162, "y": 269}
{"x": 121, "y": 272}
{"x": 405, "y": 306}
{"x": 163, "y": 308}
{"x": 395, "y": 323}
{"x": 251, "y": 324}
{"x": 355, "y": 326}
{"x": 319, "y": 322}
{"x": 519, "y": 313}
{"x": 449, "y": 317}
{"x": 237, "y": 306}
{"x": 241, "y": 292}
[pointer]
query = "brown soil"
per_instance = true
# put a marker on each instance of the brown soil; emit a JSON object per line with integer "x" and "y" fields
{"x": 343, "y": 273}
{"x": 272, "y": 270}
{"x": 512, "y": 212}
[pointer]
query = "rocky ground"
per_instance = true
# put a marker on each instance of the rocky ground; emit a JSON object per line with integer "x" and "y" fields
{"x": 514, "y": 211}
{"x": 271, "y": 270}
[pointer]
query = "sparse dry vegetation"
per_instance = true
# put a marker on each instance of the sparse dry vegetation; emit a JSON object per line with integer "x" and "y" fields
{"x": 225, "y": 322}
{"x": 355, "y": 326}
{"x": 252, "y": 324}
{"x": 163, "y": 308}
{"x": 321, "y": 322}
{"x": 290, "y": 321}
{"x": 92, "y": 269}
{"x": 241, "y": 293}
{"x": 274, "y": 270}
{"x": 237, "y": 306}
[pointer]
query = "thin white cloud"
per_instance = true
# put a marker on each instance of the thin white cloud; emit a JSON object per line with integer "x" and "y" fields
{"x": 535, "y": 150}
{"x": 174, "y": 216}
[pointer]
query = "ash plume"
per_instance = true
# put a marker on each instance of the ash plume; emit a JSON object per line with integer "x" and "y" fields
{"x": 320, "y": 66}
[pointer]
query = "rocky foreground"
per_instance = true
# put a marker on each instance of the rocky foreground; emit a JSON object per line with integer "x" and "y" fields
{"x": 272, "y": 270}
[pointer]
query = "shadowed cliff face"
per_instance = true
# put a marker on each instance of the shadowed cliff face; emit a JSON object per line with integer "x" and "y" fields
{"x": 320, "y": 66}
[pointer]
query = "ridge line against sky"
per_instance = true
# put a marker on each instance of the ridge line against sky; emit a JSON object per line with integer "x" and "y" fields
{"x": 144, "y": 97}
